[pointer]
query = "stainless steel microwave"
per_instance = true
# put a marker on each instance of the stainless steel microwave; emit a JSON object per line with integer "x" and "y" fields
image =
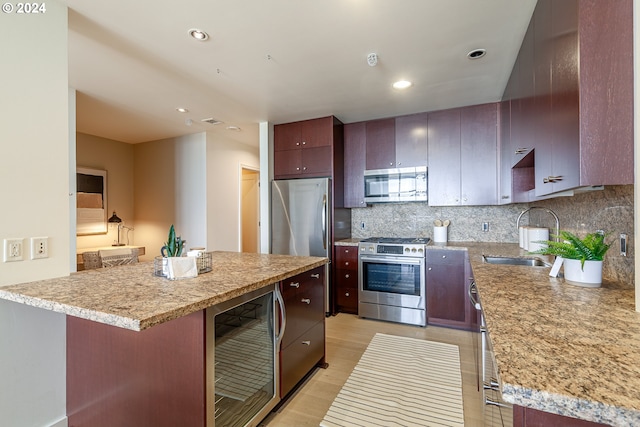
{"x": 395, "y": 185}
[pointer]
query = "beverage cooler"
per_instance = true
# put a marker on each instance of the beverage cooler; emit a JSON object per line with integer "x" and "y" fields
{"x": 243, "y": 340}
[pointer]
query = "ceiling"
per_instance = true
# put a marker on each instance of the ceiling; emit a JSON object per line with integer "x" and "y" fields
{"x": 133, "y": 62}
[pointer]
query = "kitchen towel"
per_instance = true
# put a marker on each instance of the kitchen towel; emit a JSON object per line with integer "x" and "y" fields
{"x": 401, "y": 381}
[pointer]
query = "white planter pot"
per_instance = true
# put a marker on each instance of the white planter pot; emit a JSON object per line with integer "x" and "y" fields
{"x": 590, "y": 276}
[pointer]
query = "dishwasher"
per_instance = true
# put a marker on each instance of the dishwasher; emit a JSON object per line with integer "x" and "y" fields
{"x": 496, "y": 412}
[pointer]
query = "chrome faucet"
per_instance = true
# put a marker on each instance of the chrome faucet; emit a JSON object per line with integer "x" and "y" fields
{"x": 546, "y": 210}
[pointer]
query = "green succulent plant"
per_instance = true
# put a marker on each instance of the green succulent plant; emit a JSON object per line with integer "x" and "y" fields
{"x": 173, "y": 246}
{"x": 591, "y": 248}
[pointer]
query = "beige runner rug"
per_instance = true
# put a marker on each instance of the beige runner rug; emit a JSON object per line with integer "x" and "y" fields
{"x": 401, "y": 381}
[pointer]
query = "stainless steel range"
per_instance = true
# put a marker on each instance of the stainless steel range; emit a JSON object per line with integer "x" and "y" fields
{"x": 391, "y": 279}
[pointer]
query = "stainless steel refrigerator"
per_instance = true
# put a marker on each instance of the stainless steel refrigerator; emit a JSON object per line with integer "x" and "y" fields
{"x": 304, "y": 221}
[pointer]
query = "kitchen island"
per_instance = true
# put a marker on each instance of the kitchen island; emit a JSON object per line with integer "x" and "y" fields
{"x": 559, "y": 348}
{"x": 138, "y": 346}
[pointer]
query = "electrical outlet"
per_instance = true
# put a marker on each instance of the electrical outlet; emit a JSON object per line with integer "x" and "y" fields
{"x": 13, "y": 250}
{"x": 485, "y": 226}
{"x": 39, "y": 247}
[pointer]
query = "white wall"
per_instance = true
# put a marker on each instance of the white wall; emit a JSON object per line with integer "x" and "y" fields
{"x": 34, "y": 189}
{"x": 116, "y": 158}
{"x": 223, "y": 176}
{"x": 170, "y": 188}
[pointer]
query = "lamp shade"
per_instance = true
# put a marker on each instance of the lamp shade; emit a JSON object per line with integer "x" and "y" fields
{"x": 114, "y": 219}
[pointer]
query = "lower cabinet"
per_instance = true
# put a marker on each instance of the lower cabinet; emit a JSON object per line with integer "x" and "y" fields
{"x": 346, "y": 279}
{"x": 447, "y": 289}
{"x": 303, "y": 343}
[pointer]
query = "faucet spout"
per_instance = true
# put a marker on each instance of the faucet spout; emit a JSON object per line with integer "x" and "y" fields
{"x": 549, "y": 211}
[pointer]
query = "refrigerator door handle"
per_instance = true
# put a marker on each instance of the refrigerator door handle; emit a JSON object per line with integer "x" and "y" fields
{"x": 324, "y": 221}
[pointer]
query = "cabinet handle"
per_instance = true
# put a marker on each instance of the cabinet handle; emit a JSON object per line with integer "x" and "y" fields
{"x": 346, "y": 294}
{"x": 298, "y": 169}
{"x": 294, "y": 284}
{"x": 306, "y": 300}
{"x": 346, "y": 263}
{"x": 315, "y": 276}
{"x": 390, "y": 163}
{"x": 306, "y": 342}
{"x": 493, "y": 385}
{"x": 346, "y": 251}
{"x": 346, "y": 276}
{"x": 429, "y": 268}
{"x": 521, "y": 150}
{"x": 473, "y": 291}
{"x": 490, "y": 402}
{"x": 552, "y": 179}
{"x": 506, "y": 197}
{"x": 444, "y": 256}
{"x": 304, "y": 142}
{"x": 304, "y": 168}
{"x": 297, "y": 144}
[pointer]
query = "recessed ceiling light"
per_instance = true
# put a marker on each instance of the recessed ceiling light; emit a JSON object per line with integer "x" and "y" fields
{"x": 198, "y": 34}
{"x": 402, "y": 84}
{"x": 182, "y": 110}
{"x": 476, "y": 53}
{"x": 234, "y": 128}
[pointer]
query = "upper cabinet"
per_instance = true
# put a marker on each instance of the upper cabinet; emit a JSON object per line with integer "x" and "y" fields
{"x": 463, "y": 156}
{"x": 411, "y": 140}
{"x": 355, "y": 145}
{"x": 380, "y": 144}
{"x": 571, "y": 99}
{"x": 307, "y": 148}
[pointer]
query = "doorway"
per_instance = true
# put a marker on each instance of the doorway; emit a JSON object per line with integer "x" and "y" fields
{"x": 250, "y": 210}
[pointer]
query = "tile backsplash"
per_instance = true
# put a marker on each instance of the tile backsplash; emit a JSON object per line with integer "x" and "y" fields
{"x": 610, "y": 209}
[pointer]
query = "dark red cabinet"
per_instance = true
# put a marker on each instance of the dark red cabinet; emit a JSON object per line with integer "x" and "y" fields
{"x": 571, "y": 99}
{"x": 308, "y": 148}
{"x": 355, "y": 145}
{"x": 411, "y": 140}
{"x": 346, "y": 279}
{"x": 381, "y": 144}
{"x": 447, "y": 278}
{"x": 463, "y": 157}
{"x": 303, "y": 343}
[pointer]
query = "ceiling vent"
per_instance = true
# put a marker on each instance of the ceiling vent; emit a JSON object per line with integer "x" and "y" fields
{"x": 211, "y": 121}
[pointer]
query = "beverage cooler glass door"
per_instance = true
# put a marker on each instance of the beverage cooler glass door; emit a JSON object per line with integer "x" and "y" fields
{"x": 242, "y": 363}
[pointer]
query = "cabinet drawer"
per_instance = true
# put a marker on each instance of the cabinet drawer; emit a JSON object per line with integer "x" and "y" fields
{"x": 348, "y": 299}
{"x": 303, "y": 283}
{"x": 346, "y": 257}
{"x": 300, "y": 356}
{"x": 302, "y": 313}
{"x": 347, "y": 278}
{"x": 436, "y": 256}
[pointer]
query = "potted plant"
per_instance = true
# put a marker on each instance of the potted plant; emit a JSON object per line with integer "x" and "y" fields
{"x": 582, "y": 257}
{"x": 173, "y": 246}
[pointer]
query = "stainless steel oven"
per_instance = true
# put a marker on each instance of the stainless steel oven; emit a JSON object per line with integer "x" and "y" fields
{"x": 391, "y": 280}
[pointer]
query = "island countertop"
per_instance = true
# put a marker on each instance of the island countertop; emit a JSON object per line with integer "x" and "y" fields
{"x": 131, "y": 297}
{"x": 560, "y": 348}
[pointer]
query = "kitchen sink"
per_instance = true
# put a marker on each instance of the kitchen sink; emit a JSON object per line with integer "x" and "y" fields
{"x": 531, "y": 262}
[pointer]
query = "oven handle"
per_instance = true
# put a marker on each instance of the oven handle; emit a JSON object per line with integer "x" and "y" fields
{"x": 392, "y": 260}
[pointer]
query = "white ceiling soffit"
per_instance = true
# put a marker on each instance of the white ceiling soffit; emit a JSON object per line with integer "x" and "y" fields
{"x": 133, "y": 62}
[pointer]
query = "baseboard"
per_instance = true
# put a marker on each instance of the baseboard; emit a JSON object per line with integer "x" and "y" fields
{"x": 64, "y": 422}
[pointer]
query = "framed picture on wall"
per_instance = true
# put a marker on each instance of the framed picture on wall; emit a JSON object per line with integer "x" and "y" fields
{"x": 91, "y": 201}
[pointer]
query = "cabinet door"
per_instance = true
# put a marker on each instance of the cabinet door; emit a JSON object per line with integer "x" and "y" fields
{"x": 354, "y": 164}
{"x": 444, "y": 158}
{"x": 381, "y": 146}
{"x": 287, "y": 163}
{"x": 447, "y": 297}
{"x": 411, "y": 140}
{"x": 565, "y": 152}
{"x": 317, "y": 161}
{"x": 287, "y": 136}
{"x": 317, "y": 132}
{"x": 479, "y": 156}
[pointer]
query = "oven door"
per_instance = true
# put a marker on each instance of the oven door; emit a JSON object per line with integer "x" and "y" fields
{"x": 394, "y": 281}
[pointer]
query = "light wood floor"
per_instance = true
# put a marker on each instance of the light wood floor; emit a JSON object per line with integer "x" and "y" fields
{"x": 347, "y": 338}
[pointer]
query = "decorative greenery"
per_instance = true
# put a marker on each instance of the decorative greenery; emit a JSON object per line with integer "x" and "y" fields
{"x": 173, "y": 245}
{"x": 591, "y": 248}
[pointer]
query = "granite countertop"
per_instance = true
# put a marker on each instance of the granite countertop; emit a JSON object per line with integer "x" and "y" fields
{"x": 131, "y": 297}
{"x": 347, "y": 242}
{"x": 560, "y": 348}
